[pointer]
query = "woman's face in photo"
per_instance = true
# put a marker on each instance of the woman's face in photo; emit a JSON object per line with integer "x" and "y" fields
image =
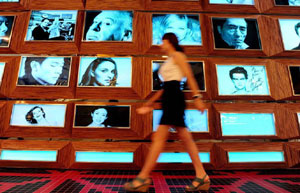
{"x": 3, "y": 26}
{"x": 105, "y": 73}
{"x": 99, "y": 116}
{"x": 178, "y": 26}
{"x": 38, "y": 114}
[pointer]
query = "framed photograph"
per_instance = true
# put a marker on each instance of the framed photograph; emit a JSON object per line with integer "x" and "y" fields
{"x": 236, "y": 2}
{"x": 295, "y": 78}
{"x": 197, "y": 68}
{"x": 8, "y": 1}
{"x": 287, "y": 2}
{"x": 194, "y": 120}
{"x": 290, "y": 33}
{"x": 44, "y": 71}
{"x": 52, "y": 25}
{"x": 242, "y": 80}
{"x": 298, "y": 115}
{"x": 102, "y": 116}
{"x": 108, "y": 25}
{"x": 2, "y": 66}
{"x": 105, "y": 72}
{"x": 38, "y": 115}
{"x": 236, "y": 33}
{"x": 6, "y": 25}
{"x": 185, "y": 26}
{"x": 245, "y": 124}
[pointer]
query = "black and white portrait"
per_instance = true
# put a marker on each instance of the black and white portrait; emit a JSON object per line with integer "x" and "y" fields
{"x": 49, "y": 115}
{"x": 108, "y": 25}
{"x": 295, "y": 78}
{"x": 242, "y": 80}
{"x": 290, "y": 33}
{"x": 44, "y": 71}
{"x": 102, "y": 116}
{"x": 288, "y": 2}
{"x": 197, "y": 68}
{"x": 185, "y": 26}
{"x": 6, "y": 24}
{"x": 237, "y": 2}
{"x": 50, "y": 25}
{"x": 2, "y": 66}
{"x": 105, "y": 72}
{"x": 236, "y": 33}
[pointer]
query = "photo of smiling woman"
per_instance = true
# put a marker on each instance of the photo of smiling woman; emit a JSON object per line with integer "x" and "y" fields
{"x": 102, "y": 116}
{"x": 105, "y": 72}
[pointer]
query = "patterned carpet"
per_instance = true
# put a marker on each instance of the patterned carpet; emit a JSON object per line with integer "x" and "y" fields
{"x": 111, "y": 181}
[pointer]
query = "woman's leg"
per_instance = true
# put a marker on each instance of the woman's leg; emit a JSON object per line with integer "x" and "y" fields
{"x": 158, "y": 141}
{"x": 192, "y": 149}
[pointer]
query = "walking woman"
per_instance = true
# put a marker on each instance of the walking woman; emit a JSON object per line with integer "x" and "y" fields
{"x": 173, "y": 105}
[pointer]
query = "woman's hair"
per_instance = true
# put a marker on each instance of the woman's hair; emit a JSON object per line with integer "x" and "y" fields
{"x": 89, "y": 80}
{"x": 29, "y": 116}
{"x": 173, "y": 40}
{"x": 105, "y": 122}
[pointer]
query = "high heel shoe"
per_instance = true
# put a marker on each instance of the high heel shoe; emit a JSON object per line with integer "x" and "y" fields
{"x": 203, "y": 185}
{"x": 141, "y": 188}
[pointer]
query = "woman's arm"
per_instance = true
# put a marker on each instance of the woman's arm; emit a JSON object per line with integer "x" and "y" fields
{"x": 148, "y": 105}
{"x": 181, "y": 60}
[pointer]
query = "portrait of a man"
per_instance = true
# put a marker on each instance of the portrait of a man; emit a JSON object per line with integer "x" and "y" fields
{"x": 290, "y": 33}
{"x": 108, "y": 25}
{"x": 6, "y": 23}
{"x": 52, "y": 25}
{"x": 44, "y": 71}
{"x": 242, "y": 80}
{"x": 238, "y": 2}
{"x": 236, "y": 33}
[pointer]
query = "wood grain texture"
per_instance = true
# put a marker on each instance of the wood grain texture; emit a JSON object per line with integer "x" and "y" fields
{"x": 170, "y": 5}
{"x": 2, "y": 115}
{"x": 134, "y": 132}
{"x": 55, "y": 48}
{"x": 227, "y": 52}
{"x": 179, "y": 147}
{"x": 39, "y": 92}
{"x": 115, "y": 4}
{"x": 66, "y": 156}
{"x": 224, "y": 148}
{"x": 268, "y": 6}
{"x": 231, "y": 7}
{"x": 10, "y": 63}
{"x": 213, "y": 79}
{"x": 219, "y": 108}
{"x": 107, "y": 147}
{"x": 56, "y": 4}
{"x": 292, "y": 150}
{"x": 136, "y": 91}
{"x": 21, "y": 5}
{"x": 290, "y": 128}
{"x": 36, "y": 132}
{"x": 117, "y": 47}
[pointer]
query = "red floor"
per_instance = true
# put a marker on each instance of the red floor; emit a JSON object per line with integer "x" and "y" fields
{"x": 110, "y": 181}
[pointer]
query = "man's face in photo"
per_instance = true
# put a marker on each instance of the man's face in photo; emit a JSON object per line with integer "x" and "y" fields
{"x": 234, "y": 31}
{"x": 106, "y": 26}
{"x": 239, "y": 80}
{"x": 48, "y": 71}
{"x": 3, "y": 26}
{"x": 45, "y": 23}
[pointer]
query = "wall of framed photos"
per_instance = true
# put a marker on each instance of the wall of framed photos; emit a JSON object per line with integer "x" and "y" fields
{"x": 77, "y": 72}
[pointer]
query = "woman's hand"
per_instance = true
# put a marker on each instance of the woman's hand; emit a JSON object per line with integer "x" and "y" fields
{"x": 199, "y": 105}
{"x": 146, "y": 108}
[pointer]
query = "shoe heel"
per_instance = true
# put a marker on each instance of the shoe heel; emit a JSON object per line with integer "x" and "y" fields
{"x": 205, "y": 186}
{"x": 143, "y": 188}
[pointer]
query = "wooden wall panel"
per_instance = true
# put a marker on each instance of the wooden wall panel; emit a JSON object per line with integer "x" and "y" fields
{"x": 21, "y": 5}
{"x": 107, "y": 147}
{"x": 227, "y": 52}
{"x": 49, "y": 47}
{"x": 115, "y": 4}
{"x": 179, "y": 147}
{"x": 270, "y": 70}
{"x": 223, "y": 148}
{"x": 36, "y": 131}
{"x": 170, "y": 5}
{"x": 66, "y": 155}
{"x": 269, "y": 6}
{"x": 40, "y": 92}
{"x": 2, "y": 116}
{"x": 292, "y": 150}
{"x": 146, "y": 32}
{"x": 288, "y": 115}
{"x": 117, "y": 47}
{"x": 56, "y": 4}
{"x": 32, "y": 145}
{"x": 136, "y": 130}
{"x": 10, "y": 62}
{"x": 231, "y": 7}
{"x": 113, "y": 93}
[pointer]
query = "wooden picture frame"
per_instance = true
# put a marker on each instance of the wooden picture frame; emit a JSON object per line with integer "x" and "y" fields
{"x": 9, "y": 64}
{"x": 114, "y": 4}
{"x": 207, "y": 6}
{"x": 169, "y": 5}
{"x": 21, "y": 5}
{"x": 269, "y": 6}
{"x": 292, "y": 150}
